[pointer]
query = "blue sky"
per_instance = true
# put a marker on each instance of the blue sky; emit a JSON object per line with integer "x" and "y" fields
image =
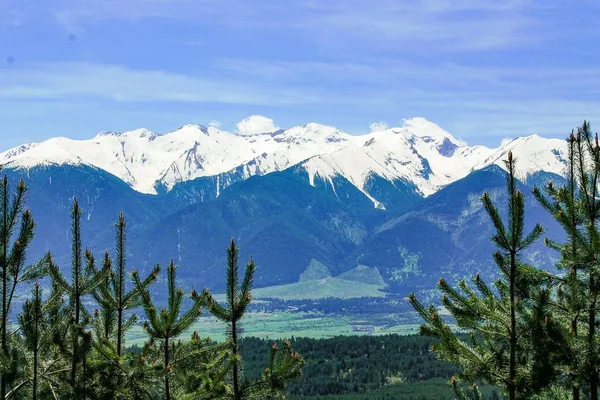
{"x": 483, "y": 70}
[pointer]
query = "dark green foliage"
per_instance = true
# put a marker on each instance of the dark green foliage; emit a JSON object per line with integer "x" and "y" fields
{"x": 13, "y": 270}
{"x": 364, "y": 367}
{"x": 575, "y": 206}
{"x": 201, "y": 368}
{"x": 503, "y": 349}
{"x": 84, "y": 280}
{"x": 110, "y": 322}
{"x": 357, "y": 364}
{"x": 40, "y": 322}
{"x": 284, "y": 364}
{"x": 169, "y": 322}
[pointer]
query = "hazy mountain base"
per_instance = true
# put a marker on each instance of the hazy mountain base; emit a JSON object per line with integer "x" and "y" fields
{"x": 286, "y": 224}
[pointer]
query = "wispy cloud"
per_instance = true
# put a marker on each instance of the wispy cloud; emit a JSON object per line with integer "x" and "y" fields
{"x": 431, "y": 80}
{"x": 461, "y": 25}
{"x": 475, "y": 67}
{"x": 78, "y": 15}
{"x": 121, "y": 84}
{"x": 469, "y": 101}
{"x": 444, "y": 26}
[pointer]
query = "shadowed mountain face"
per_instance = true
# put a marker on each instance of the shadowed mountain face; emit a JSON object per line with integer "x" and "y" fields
{"x": 448, "y": 234}
{"x": 286, "y": 220}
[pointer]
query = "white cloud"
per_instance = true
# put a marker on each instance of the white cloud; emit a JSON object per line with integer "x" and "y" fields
{"x": 214, "y": 124}
{"x": 256, "y": 124}
{"x": 505, "y": 141}
{"x": 378, "y": 126}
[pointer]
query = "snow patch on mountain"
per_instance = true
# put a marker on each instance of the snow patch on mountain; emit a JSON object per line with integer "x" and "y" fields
{"x": 423, "y": 153}
{"x": 418, "y": 152}
{"x": 145, "y": 160}
{"x": 533, "y": 154}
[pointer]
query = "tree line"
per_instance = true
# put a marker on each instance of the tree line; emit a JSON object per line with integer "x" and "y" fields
{"x": 355, "y": 364}
{"x": 531, "y": 332}
{"x": 373, "y": 367}
{"x": 58, "y": 348}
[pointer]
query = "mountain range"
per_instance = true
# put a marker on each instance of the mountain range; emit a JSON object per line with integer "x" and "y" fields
{"x": 403, "y": 201}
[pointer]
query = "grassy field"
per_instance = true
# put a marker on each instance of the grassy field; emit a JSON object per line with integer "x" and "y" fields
{"x": 321, "y": 289}
{"x": 317, "y": 283}
{"x": 281, "y": 325}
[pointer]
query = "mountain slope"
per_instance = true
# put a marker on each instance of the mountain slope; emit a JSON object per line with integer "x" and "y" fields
{"x": 144, "y": 159}
{"x": 404, "y": 201}
{"x": 280, "y": 219}
{"x": 102, "y": 196}
{"x": 287, "y": 220}
{"x": 419, "y": 154}
{"x": 533, "y": 154}
{"x": 448, "y": 234}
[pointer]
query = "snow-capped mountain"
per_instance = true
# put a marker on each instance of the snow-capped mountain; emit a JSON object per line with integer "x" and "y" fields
{"x": 313, "y": 192}
{"x": 144, "y": 159}
{"x": 419, "y": 153}
{"x": 533, "y": 154}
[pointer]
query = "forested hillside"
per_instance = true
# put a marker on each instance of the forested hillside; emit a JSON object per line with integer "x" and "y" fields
{"x": 364, "y": 367}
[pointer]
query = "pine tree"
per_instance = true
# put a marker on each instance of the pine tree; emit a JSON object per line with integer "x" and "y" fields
{"x": 110, "y": 322}
{"x": 201, "y": 368}
{"x": 589, "y": 176}
{"x": 12, "y": 264}
{"x": 503, "y": 348}
{"x": 237, "y": 301}
{"x": 576, "y": 207}
{"x": 563, "y": 204}
{"x": 168, "y": 323}
{"x": 38, "y": 329}
{"x": 84, "y": 280}
{"x": 54, "y": 354}
{"x": 112, "y": 294}
{"x": 285, "y": 364}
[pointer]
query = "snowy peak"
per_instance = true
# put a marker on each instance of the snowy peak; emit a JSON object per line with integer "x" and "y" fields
{"x": 423, "y": 154}
{"x": 354, "y": 163}
{"x": 56, "y": 151}
{"x": 317, "y": 129}
{"x": 12, "y": 153}
{"x": 312, "y": 133}
{"x": 146, "y": 160}
{"x": 142, "y": 133}
{"x": 419, "y": 153}
{"x": 429, "y": 131}
{"x": 532, "y": 154}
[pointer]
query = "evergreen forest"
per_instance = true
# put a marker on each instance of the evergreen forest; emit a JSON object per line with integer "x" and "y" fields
{"x": 60, "y": 348}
